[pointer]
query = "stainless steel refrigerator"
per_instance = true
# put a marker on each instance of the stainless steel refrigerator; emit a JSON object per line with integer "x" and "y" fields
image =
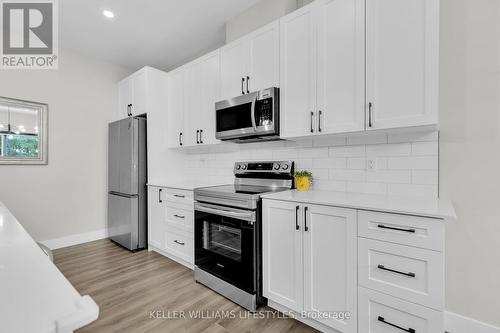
{"x": 127, "y": 176}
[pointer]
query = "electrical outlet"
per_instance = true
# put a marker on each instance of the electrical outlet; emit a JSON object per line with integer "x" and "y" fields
{"x": 371, "y": 164}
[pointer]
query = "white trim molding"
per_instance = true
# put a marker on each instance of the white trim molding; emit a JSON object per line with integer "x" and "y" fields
{"x": 455, "y": 323}
{"x": 70, "y": 240}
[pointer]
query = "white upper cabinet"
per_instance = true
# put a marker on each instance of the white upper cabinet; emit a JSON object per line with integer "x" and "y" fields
{"x": 298, "y": 73}
{"x": 235, "y": 59}
{"x": 210, "y": 93}
{"x": 175, "y": 101}
{"x": 251, "y": 63}
{"x": 402, "y": 56}
{"x": 264, "y": 58}
{"x": 340, "y": 66}
{"x": 330, "y": 269}
{"x": 322, "y": 69}
{"x": 192, "y": 104}
{"x": 132, "y": 94}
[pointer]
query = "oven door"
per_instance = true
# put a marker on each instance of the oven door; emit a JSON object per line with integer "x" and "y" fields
{"x": 225, "y": 244}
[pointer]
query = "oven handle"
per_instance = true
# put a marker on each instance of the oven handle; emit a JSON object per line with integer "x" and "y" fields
{"x": 225, "y": 211}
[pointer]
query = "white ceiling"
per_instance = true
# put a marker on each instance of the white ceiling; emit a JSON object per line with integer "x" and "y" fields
{"x": 159, "y": 33}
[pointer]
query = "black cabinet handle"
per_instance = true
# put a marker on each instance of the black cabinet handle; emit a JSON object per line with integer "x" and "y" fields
{"x": 297, "y": 227}
{"x": 319, "y": 120}
{"x": 159, "y": 195}
{"x": 306, "y": 228}
{"x": 410, "y": 274}
{"x": 242, "y": 83}
{"x": 179, "y": 196}
{"x": 248, "y": 79}
{"x": 179, "y": 216}
{"x": 129, "y": 110}
{"x": 312, "y": 129}
{"x": 178, "y": 242}
{"x": 201, "y": 140}
{"x": 197, "y": 134}
{"x": 409, "y": 330}
{"x": 381, "y": 226}
{"x": 180, "y": 138}
{"x": 370, "y": 106}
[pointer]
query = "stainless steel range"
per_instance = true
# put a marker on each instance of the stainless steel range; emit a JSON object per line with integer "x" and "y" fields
{"x": 228, "y": 244}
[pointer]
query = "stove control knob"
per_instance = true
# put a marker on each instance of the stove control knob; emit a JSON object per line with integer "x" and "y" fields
{"x": 276, "y": 166}
{"x": 238, "y": 167}
{"x": 284, "y": 166}
{"x": 244, "y": 166}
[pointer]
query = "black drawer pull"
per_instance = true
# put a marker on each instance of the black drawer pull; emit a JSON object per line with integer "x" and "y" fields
{"x": 410, "y": 274}
{"x": 297, "y": 218}
{"x": 381, "y": 226}
{"x": 180, "y": 243}
{"x": 410, "y": 330}
{"x": 179, "y": 196}
{"x": 179, "y": 216}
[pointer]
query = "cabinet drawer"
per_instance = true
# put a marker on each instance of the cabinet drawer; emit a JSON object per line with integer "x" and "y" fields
{"x": 179, "y": 243}
{"x": 410, "y": 273}
{"x": 416, "y": 231}
{"x": 380, "y": 313}
{"x": 181, "y": 218}
{"x": 179, "y": 196}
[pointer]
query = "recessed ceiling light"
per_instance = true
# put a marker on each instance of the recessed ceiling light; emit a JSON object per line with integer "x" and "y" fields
{"x": 108, "y": 13}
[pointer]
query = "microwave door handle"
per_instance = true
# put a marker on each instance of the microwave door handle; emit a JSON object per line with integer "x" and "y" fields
{"x": 254, "y": 103}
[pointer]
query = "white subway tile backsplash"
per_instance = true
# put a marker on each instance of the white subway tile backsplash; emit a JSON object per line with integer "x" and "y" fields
{"x": 356, "y": 163}
{"x": 389, "y": 176}
{"x": 395, "y": 163}
{"x": 424, "y": 148}
{"x": 348, "y": 151}
{"x": 400, "y": 149}
{"x": 332, "y": 163}
{"x": 424, "y": 177}
{"x": 348, "y": 175}
{"x": 412, "y": 163}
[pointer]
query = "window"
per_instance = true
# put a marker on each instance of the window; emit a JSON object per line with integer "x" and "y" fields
{"x": 23, "y": 132}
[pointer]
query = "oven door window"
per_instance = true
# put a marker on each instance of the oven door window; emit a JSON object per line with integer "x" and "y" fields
{"x": 222, "y": 239}
{"x": 234, "y": 118}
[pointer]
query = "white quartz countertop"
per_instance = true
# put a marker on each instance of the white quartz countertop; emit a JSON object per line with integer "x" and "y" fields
{"x": 34, "y": 295}
{"x": 428, "y": 207}
{"x": 185, "y": 185}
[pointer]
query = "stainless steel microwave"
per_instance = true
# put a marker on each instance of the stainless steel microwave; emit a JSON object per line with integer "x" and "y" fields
{"x": 248, "y": 118}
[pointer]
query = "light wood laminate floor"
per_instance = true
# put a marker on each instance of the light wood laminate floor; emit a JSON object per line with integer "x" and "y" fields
{"x": 138, "y": 292}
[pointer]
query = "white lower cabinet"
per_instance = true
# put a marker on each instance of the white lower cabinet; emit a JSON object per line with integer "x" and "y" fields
{"x": 309, "y": 257}
{"x": 171, "y": 223}
{"x": 381, "y": 313}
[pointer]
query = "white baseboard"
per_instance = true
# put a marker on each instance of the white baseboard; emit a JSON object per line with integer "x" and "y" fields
{"x": 58, "y": 243}
{"x": 455, "y": 323}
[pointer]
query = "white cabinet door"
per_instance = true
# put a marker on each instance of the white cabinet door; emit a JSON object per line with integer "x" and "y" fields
{"x": 139, "y": 87}
{"x": 340, "y": 71}
{"x": 175, "y": 101}
{"x": 156, "y": 217}
{"x": 210, "y": 93}
{"x": 402, "y": 56}
{"x": 192, "y": 105}
{"x": 298, "y": 73}
{"x": 125, "y": 97}
{"x": 282, "y": 253}
{"x": 264, "y": 58}
{"x": 234, "y": 68}
{"x": 330, "y": 264}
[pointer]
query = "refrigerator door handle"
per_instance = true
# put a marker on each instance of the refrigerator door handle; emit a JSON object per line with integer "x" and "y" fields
{"x": 123, "y": 194}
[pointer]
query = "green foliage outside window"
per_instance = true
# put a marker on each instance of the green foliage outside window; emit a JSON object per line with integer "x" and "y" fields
{"x": 19, "y": 145}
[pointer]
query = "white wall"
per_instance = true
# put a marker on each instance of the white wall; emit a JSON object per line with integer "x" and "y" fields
{"x": 67, "y": 196}
{"x": 470, "y": 154}
{"x": 405, "y": 163}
